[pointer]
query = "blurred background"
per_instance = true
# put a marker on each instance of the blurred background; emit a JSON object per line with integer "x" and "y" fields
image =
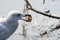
{"x": 39, "y": 24}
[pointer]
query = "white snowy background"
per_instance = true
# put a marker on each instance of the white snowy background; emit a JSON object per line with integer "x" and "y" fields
{"x": 39, "y": 23}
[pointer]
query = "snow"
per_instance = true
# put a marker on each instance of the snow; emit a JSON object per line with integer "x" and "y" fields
{"x": 39, "y": 23}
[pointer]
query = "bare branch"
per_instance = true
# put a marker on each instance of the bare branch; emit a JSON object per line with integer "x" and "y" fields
{"x": 33, "y": 9}
{"x": 48, "y": 15}
{"x": 28, "y": 3}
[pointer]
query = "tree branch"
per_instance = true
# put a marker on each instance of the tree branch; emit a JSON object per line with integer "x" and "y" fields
{"x": 28, "y": 4}
{"x": 48, "y": 15}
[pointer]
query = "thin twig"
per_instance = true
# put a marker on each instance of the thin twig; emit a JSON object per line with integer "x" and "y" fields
{"x": 28, "y": 3}
{"x": 48, "y": 15}
{"x": 33, "y": 9}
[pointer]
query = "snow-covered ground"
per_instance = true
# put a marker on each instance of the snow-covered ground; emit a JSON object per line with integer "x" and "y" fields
{"x": 39, "y": 24}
